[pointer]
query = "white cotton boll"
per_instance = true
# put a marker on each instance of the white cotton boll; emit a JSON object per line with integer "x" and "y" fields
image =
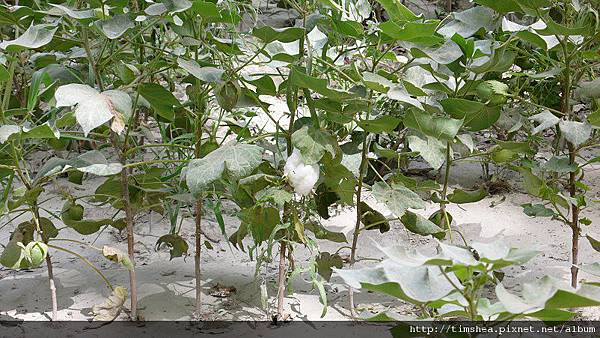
{"x": 302, "y": 177}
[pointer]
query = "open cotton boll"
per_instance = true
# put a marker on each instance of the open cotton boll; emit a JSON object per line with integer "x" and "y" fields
{"x": 302, "y": 177}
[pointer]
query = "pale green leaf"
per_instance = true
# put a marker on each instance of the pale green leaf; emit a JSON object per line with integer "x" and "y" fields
{"x": 34, "y": 37}
{"x": 397, "y": 197}
{"x": 238, "y": 159}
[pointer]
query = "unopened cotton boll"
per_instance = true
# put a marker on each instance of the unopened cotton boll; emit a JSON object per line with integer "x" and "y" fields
{"x": 302, "y": 177}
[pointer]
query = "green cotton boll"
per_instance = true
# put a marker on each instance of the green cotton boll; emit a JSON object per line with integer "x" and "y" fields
{"x": 74, "y": 212}
{"x": 228, "y": 94}
{"x": 37, "y": 252}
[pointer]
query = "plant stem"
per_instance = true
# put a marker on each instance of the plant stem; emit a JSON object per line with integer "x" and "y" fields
{"x": 128, "y": 218}
{"x": 52, "y": 288}
{"x": 8, "y": 88}
{"x": 363, "y": 165}
{"x": 574, "y": 223}
{"x": 281, "y": 280}
{"x": 52, "y": 285}
{"x": 88, "y": 52}
{"x": 445, "y": 221}
{"x": 198, "y": 221}
{"x": 130, "y": 239}
{"x": 574, "y": 219}
{"x": 197, "y": 257}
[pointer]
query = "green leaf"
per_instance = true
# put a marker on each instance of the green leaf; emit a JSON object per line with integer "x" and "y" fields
{"x": 206, "y": 74}
{"x": 322, "y": 233}
{"x": 441, "y": 128}
{"x": 13, "y": 253}
{"x": 22, "y": 252}
{"x": 301, "y": 80}
{"x": 431, "y": 149}
{"x": 444, "y": 54}
{"x": 269, "y": 34}
{"x": 547, "y": 293}
{"x": 575, "y": 132}
{"x": 116, "y": 26}
{"x": 43, "y": 131}
{"x": 397, "y": 198}
{"x": 376, "y": 82}
{"x": 92, "y": 162}
{"x": 76, "y": 14}
{"x": 397, "y": 11}
{"x": 504, "y": 6}
{"x": 313, "y": 143}
{"x": 534, "y": 4}
{"x": 593, "y": 242}
{"x": 559, "y": 165}
{"x": 555, "y": 29}
{"x": 177, "y": 6}
{"x": 349, "y": 28}
{"x": 410, "y": 31}
{"x": 593, "y": 119}
{"x": 459, "y": 196}
{"x": 117, "y": 256}
{"x": 531, "y": 183}
{"x": 72, "y": 216}
{"x": 373, "y": 219}
{"x": 552, "y": 315}
{"x": 3, "y": 73}
{"x": 264, "y": 85}
{"x": 500, "y": 61}
{"x": 261, "y": 221}
{"x": 160, "y": 99}
{"x": 422, "y": 226}
{"x": 326, "y": 261}
{"x": 275, "y": 195}
{"x": 476, "y": 115}
{"x": 417, "y": 285}
{"x": 23, "y": 196}
{"x": 176, "y": 244}
{"x": 500, "y": 255}
{"x": 210, "y": 12}
{"x": 382, "y": 124}
{"x": 48, "y": 228}
{"x": 537, "y": 210}
{"x": 468, "y": 22}
{"x": 34, "y": 37}
{"x": 238, "y": 159}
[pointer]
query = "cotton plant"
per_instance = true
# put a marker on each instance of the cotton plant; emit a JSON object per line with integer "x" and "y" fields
{"x": 449, "y": 284}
